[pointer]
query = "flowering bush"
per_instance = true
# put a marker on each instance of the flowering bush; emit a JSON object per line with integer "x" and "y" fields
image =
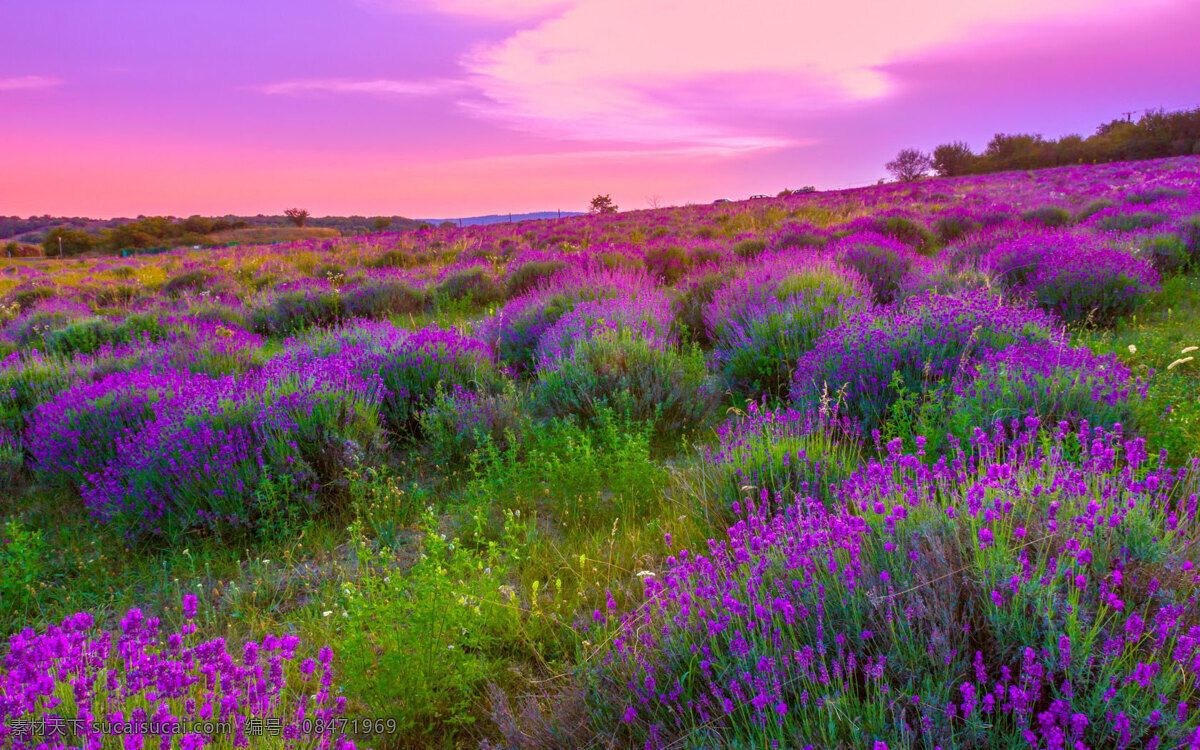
{"x": 764, "y": 320}
{"x": 871, "y": 359}
{"x": 515, "y": 331}
{"x": 232, "y": 451}
{"x": 882, "y": 261}
{"x": 1076, "y": 275}
{"x": 820, "y": 623}
{"x": 75, "y": 685}
{"x": 412, "y": 367}
{"x": 1047, "y": 380}
{"x": 648, "y": 315}
{"x": 765, "y": 456}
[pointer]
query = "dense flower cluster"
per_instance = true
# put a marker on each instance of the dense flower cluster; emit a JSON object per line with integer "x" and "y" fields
{"x": 819, "y": 613}
{"x": 76, "y": 686}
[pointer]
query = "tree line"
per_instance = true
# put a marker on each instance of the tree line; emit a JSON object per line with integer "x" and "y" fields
{"x": 1155, "y": 135}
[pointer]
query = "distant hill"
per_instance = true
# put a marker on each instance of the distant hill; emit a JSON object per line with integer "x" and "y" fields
{"x": 502, "y": 218}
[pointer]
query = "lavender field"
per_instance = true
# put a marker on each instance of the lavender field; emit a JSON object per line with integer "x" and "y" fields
{"x": 913, "y": 465}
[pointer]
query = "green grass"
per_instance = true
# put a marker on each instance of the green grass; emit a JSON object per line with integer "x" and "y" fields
{"x": 1152, "y": 344}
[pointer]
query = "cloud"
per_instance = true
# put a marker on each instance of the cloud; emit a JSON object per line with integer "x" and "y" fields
{"x": 371, "y": 87}
{"x": 20, "y": 83}
{"x": 614, "y": 70}
{"x": 489, "y": 10}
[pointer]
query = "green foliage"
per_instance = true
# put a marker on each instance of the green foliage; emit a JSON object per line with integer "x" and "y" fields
{"x": 667, "y": 264}
{"x": 953, "y": 159}
{"x": 190, "y": 282}
{"x": 383, "y": 299}
{"x": 400, "y": 259}
{"x": 528, "y": 275}
{"x": 292, "y": 312}
{"x": 749, "y": 249}
{"x": 73, "y": 242}
{"x": 1130, "y": 222}
{"x": 90, "y": 334}
{"x": 22, "y": 569}
{"x": 474, "y": 286}
{"x": 458, "y": 422}
{"x": 420, "y": 641}
{"x": 689, "y": 306}
{"x": 1050, "y": 216}
{"x": 1169, "y": 253}
{"x": 625, "y": 373}
{"x": 30, "y": 296}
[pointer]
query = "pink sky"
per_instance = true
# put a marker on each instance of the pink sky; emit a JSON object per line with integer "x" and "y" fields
{"x": 438, "y": 109}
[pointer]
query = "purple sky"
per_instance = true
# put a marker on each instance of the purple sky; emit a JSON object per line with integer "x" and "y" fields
{"x": 437, "y": 109}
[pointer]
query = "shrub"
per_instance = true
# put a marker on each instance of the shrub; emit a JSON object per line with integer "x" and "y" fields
{"x": 1191, "y": 238}
{"x": 1168, "y": 253}
{"x": 648, "y": 315}
{"x": 1049, "y": 216}
{"x": 1076, "y": 275}
{"x": 166, "y": 690}
{"x": 31, "y": 327}
{"x": 690, "y": 304}
{"x": 30, "y": 296}
{"x": 295, "y": 311}
{"x": 871, "y": 359}
{"x": 213, "y": 348}
{"x": 76, "y": 433}
{"x": 953, "y": 226}
{"x": 795, "y": 237}
{"x": 192, "y": 282}
{"x": 622, "y": 372}
{"x": 667, "y": 263}
{"x": 384, "y": 298}
{"x": 750, "y": 248}
{"x": 27, "y": 380}
{"x": 1093, "y": 208}
{"x": 90, "y": 334}
{"x": 1152, "y": 195}
{"x": 460, "y": 421}
{"x": 529, "y": 275}
{"x": 1129, "y": 222}
{"x": 400, "y": 259}
{"x": 472, "y": 285}
{"x": 514, "y": 332}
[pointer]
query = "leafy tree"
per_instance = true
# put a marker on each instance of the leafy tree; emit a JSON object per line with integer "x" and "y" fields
{"x": 909, "y": 165}
{"x": 381, "y": 223}
{"x": 74, "y": 242}
{"x": 603, "y": 204}
{"x": 297, "y": 216}
{"x": 953, "y": 159}
{"x": 11, "y": 248}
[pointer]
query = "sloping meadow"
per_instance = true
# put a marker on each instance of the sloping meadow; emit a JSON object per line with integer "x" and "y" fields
{"x": 865, "y": 468}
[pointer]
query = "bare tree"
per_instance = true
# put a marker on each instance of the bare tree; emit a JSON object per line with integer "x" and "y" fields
{"x": 909, "y": 165}
{"x": 654, "y": 201}
{"x": 297, "y": 216}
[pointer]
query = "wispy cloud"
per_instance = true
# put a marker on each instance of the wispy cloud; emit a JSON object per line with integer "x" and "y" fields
{"x": 368, "y": 87}
{"x": 19, "y": 83}
{"x": 614, "y": 70}
{"x": 492, "y": 10}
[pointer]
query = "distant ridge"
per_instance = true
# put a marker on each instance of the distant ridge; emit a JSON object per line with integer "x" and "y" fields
{"x": 502, "y": 218}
